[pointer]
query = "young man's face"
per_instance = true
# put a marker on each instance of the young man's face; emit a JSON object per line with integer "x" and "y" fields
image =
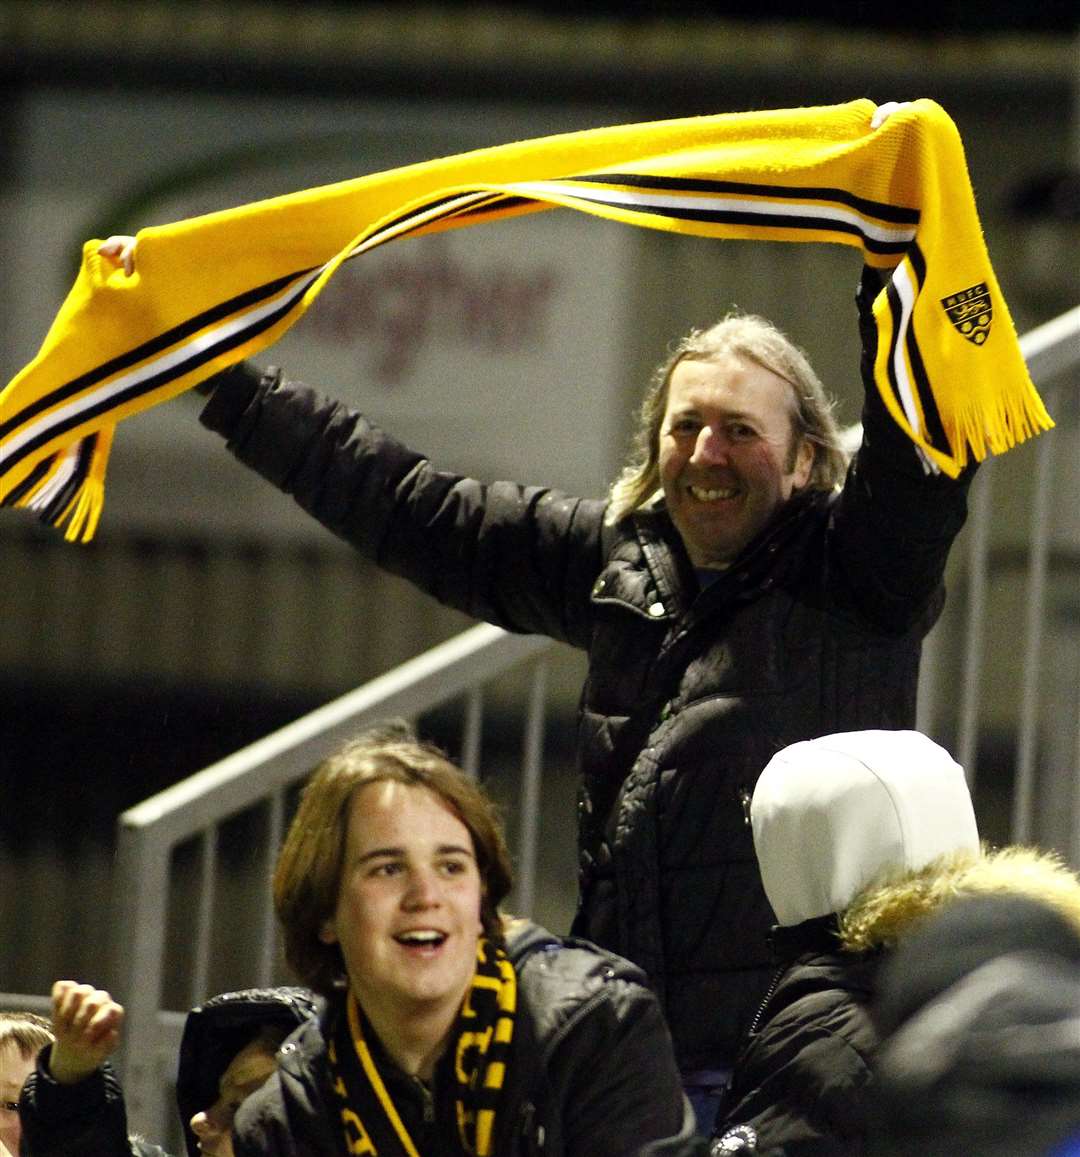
{"x": 725, "y": 454}
{"x": 247, "y": 1071}
{"x": 14, "y": 1069}
{"x": 408, "y": 908}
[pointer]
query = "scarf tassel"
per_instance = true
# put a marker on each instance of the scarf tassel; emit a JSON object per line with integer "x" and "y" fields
{"x": 70, "y": 494}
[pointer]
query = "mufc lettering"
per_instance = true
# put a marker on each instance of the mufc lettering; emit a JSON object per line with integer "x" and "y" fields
{"x": 971, "y": 312}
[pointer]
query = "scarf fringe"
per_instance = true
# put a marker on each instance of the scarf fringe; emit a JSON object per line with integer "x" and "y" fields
{"x": 977, "y": 432}
{"x": 79, "y": 514}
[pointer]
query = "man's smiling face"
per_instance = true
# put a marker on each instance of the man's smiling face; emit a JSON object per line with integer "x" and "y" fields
{"x": 726, "y": 456}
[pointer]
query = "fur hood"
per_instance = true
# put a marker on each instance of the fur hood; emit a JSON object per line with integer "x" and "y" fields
{"x": 884, "y": 912}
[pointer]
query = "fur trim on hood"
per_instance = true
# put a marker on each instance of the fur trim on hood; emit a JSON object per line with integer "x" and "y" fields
{"x": 885, "y": 911}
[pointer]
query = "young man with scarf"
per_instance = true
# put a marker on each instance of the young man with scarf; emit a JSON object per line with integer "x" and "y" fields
{"x": 448, "y": 1029}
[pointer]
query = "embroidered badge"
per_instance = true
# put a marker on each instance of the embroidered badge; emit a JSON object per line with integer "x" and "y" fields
{"x": 970, "y": 312}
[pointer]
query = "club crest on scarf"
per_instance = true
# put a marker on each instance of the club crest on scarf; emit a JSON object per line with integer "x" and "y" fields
{"x": 971, "y": 312}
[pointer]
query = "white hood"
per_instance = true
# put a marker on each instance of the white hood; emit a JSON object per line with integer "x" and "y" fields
{"x": 832, "y": 814}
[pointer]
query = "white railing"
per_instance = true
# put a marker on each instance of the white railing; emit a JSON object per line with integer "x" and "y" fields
{"x": 1050, "y": 351}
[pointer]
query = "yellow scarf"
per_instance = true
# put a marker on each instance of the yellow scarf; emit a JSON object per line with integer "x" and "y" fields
{"x": 212, "y": 290}
{"x": 480, "y": 1046}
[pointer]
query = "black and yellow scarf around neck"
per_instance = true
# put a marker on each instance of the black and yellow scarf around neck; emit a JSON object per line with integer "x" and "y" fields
{"x": 212, "y": 290}
{"x": 479, "y": 1050}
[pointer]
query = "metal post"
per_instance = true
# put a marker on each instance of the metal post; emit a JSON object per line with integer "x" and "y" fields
{"x": 531, "y": 772}
{"x": 967, "y": 750}
{"x": 142, "y": 875}
{"x": 275, "y": 826}
{"x": 470, "y": 744}
{"x": 1027, "y": 738}
{"x": 204, "y": 916}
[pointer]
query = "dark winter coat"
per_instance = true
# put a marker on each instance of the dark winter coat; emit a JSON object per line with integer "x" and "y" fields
{"x": 978, "y": 1010}
{"x": 592, "y": 1072}
{"x": 86, "y": 1119}
{"x": 804, "y": 1074}
{"x": 816, "y": 628}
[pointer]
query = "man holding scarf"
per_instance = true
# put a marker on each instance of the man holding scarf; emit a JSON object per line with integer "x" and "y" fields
{"x": 448, "y": 1028}
{"x": 741, "y": 588}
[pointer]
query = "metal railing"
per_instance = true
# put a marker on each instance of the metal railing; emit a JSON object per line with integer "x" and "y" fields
{"x": 1050, "y": 351}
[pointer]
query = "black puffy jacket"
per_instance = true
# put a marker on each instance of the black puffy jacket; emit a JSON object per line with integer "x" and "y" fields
{"x": 592, "y": 1072}
{"x": 803, "y": 1077}
{"x": 816, "y": 628}
{"x": 87, "y": 1119}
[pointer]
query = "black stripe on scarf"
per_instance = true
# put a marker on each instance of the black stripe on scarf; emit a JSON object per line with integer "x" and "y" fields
{"x": 760, "y": 221}
{"x": 480, "y": 206}
{"x": 895, "y": 214}
{"x": 935, "y": 430}
{"x": 148, "y": 349}
{"x": 174, "y": 336}
{"x": 29, "y": 482}
{"x": 83, "y": 457}
{"x": 153, "y": 382}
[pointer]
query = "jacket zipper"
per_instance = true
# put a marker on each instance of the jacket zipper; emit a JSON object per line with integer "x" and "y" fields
{"x": 427, "y": 1100}
{"x": 529, "y": 1123}
{"x": 755, "y": 1024}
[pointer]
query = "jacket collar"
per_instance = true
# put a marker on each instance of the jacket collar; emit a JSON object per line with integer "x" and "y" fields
{"x": 822, "y": 934}
{"x": 650, "y": 573}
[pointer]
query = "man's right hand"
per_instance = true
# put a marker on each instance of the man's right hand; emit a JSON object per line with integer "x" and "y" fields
{"x": 86, "y": 1021}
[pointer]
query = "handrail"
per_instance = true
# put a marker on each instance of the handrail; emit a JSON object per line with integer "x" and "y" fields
{"x": 1052, "y": 348}
{"x": 428, "y": 680}
{"x": 1049, "y": 349}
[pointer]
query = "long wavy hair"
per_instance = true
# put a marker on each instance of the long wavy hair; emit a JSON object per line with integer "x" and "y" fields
{"x": 751, "y": 337}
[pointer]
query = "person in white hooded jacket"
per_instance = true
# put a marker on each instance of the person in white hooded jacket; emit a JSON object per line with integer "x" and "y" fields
{"x": 860, "y": 837}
